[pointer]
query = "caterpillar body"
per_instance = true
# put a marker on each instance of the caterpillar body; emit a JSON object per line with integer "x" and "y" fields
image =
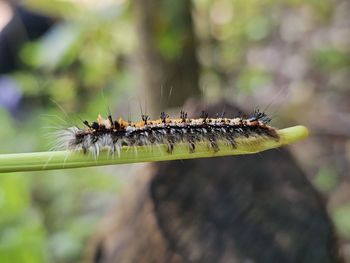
{"x": 112, "y": 135}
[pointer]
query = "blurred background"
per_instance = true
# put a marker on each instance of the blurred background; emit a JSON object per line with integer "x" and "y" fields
{"x": 63, "y": 60}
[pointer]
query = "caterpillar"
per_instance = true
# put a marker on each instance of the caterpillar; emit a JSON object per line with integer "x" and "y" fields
{"x": 106, "y": 133}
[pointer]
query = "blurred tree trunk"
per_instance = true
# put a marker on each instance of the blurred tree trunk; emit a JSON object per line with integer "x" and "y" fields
{"x": 167, "y": 53}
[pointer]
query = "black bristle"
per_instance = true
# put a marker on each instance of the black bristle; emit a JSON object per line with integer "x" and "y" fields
{"x": 110, "y": 120}
{"x": 116, "y": 125}
{"x": 183, "y": 116}
{"x": 163, "y": 116}
{"x": 95, "y": 126}
{"x": 260, "y": 116}
{"x": 86, "y": 123}
{"x": 145, "y": 118}
{"x": 204, "y": 115}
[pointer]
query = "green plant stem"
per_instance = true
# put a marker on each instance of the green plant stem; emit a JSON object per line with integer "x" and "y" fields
{"x": 64, "y": 159}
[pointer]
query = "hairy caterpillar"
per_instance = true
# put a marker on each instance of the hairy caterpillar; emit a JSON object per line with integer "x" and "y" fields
{"x": 114, "y": 134}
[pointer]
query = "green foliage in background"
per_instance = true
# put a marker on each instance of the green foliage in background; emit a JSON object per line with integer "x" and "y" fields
{"x": 79, "y": 65}
{"x": 22, "y": 232}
